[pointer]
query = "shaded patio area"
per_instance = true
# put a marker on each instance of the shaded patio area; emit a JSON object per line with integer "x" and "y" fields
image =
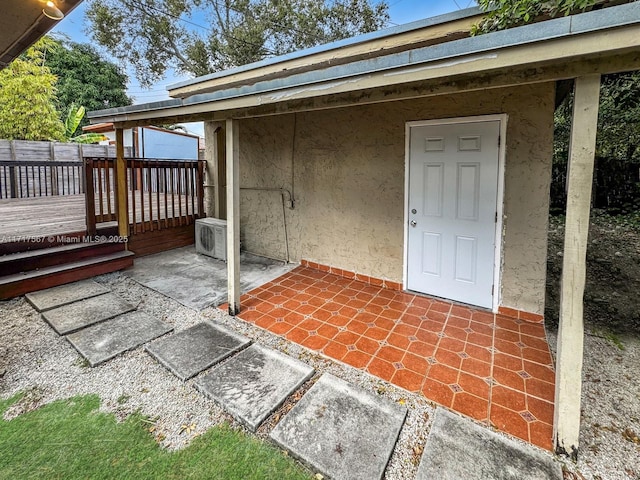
{"x": 493, "y": 368}
{"x": 198, "y": 281}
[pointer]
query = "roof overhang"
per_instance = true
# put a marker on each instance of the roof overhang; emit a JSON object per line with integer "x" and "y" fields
{"x": 22, "y": 23}
{"x": 99, "y": 128}
{"x": 601, "y": 41}
{"x": 421, "y": 33}
{"x": 110, "y": 127}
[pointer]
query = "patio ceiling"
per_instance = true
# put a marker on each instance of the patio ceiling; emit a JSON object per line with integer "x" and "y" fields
{"x": 23, "y": 23}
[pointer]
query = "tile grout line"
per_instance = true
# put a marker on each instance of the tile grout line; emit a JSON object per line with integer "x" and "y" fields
{"x": 375, "y": 355}
{"x": 492, "y": 380}
{"x": 526, "y": 395}
{"x": 435, "y": 349}
{"x": 444, "y": 327}
{"x": 404, "y": 350}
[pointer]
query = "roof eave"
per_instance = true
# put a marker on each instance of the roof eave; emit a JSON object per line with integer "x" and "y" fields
{"x": 556, "y": 40}
{"x": 33, "y": 32}
{"x": 290, "y": 63}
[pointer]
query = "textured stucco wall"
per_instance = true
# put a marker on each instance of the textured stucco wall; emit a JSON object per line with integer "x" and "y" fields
{"x": 346, "y": 170}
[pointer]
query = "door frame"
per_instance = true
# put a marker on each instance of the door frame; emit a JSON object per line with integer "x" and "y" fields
{"x": 497, "y": 260}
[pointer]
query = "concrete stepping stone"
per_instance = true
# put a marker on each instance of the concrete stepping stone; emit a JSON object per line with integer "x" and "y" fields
{"x": 65, "y": 294}
{"x": 341, "y": 430}
{"x": 75, "y": 316}
{"x": 195, "y": 349}
{"x": 254, "y": 383}
{"x": 104, "y": 341}
{"x": 459, "y": 448}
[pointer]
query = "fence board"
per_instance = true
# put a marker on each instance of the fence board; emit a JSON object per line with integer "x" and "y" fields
{"x": 5, "y": 150}
{"x": 43, "y": 168}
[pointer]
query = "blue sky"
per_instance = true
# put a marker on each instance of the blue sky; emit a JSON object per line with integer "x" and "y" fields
{"x": 401, "y": 11}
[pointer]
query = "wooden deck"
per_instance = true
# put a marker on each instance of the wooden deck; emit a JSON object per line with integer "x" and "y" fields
{"x": 44, "y": 240}
{"x": 41, "y": 216}
{"x": 21, "y": 219}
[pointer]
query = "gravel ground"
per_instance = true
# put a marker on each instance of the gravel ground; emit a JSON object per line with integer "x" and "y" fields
{"x": 35, "y": 360}
{"x": 610, "y": 427}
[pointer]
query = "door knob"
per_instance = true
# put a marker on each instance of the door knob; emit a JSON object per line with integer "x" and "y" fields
{"x": 413, "y": 223}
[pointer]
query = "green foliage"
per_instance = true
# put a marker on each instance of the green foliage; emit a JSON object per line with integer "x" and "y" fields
{"x": 75, "y": 115}
{"x": 148, "y": 35}
{"x": 617, "y": 145}
{"x": 503, "y": 14}
{"x": 610, "y": 336}
{"x": 629, "y": 222}
{"x": 85, "y": 78}
{"x": 88, "y": 138}
{"x": 27, "y": 98}
{"x": 619, "y": 116}
{"x": 71, "y": 440}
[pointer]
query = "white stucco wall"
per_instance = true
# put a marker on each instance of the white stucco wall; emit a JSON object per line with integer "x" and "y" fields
{"x": 346, "y": 170}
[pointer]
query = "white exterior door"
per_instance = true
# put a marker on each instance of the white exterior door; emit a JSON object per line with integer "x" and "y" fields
{"x": 452, "y": 210}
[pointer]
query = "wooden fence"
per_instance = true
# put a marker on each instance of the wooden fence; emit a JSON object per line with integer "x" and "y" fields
{"x": 37, "y": 169}
{"x": 616, "y": 186}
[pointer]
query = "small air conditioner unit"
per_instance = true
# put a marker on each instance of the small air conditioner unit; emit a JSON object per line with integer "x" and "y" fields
{"x": 211, "y": 237}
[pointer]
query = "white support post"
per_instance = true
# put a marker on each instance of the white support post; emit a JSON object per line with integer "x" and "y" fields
{"x": 233, "y": 216}
{"x": 210, "y": 186}
{"x": 214, "y": 193}
{"x": 566, "y": 424}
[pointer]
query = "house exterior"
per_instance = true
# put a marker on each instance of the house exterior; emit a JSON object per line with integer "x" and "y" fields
{"x": 151, "y": 142}
{"x": 349, "y": 169}
{"x": 415, "y": 157}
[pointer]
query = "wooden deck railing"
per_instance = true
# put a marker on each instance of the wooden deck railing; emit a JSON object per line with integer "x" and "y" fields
{"x": 40, "y": 178}
{"x": 161, "y": 193}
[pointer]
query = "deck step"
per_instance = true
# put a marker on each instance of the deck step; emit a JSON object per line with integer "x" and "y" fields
{"x": 49, "y": 257}
{"x": 31, "y": 281}
{"x": 40, "y": 242}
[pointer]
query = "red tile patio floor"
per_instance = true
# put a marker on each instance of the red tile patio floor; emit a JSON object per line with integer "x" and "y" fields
{"x": 490, "y": 367}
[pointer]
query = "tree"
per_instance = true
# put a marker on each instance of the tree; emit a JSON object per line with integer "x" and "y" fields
{"x": 85, "y": 78}
{"x": 619, "y": 117}
{"x": 618, "y": 140}
{"x": 27, "y": 98}
{"x": 617, "y": 145}
{"x": 154, "y": 35}
{"x": 503, "y": 14}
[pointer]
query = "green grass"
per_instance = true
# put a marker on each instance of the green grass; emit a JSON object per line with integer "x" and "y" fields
{"x": 70, "y": 439}
{"x": 613, "y": 338}
{"x": 609, "y": 336}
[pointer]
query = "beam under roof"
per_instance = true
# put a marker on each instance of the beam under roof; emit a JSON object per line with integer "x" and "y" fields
{"x": 22, "y": 23}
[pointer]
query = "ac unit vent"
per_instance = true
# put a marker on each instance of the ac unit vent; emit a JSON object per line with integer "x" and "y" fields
{"x": 211, "y": 237}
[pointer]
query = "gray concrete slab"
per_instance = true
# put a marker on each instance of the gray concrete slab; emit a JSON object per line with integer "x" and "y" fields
{"x": 75, "y": 316}
{"x": 65, "y": 294}
{"x": 254, "y": 383}
{"x": 198, "y": 281}
{"x": 195, "y": 349}
{"x": 459, "y": 448}
{"x": 104, "y": 341}
{"x": 341, "y": 430}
